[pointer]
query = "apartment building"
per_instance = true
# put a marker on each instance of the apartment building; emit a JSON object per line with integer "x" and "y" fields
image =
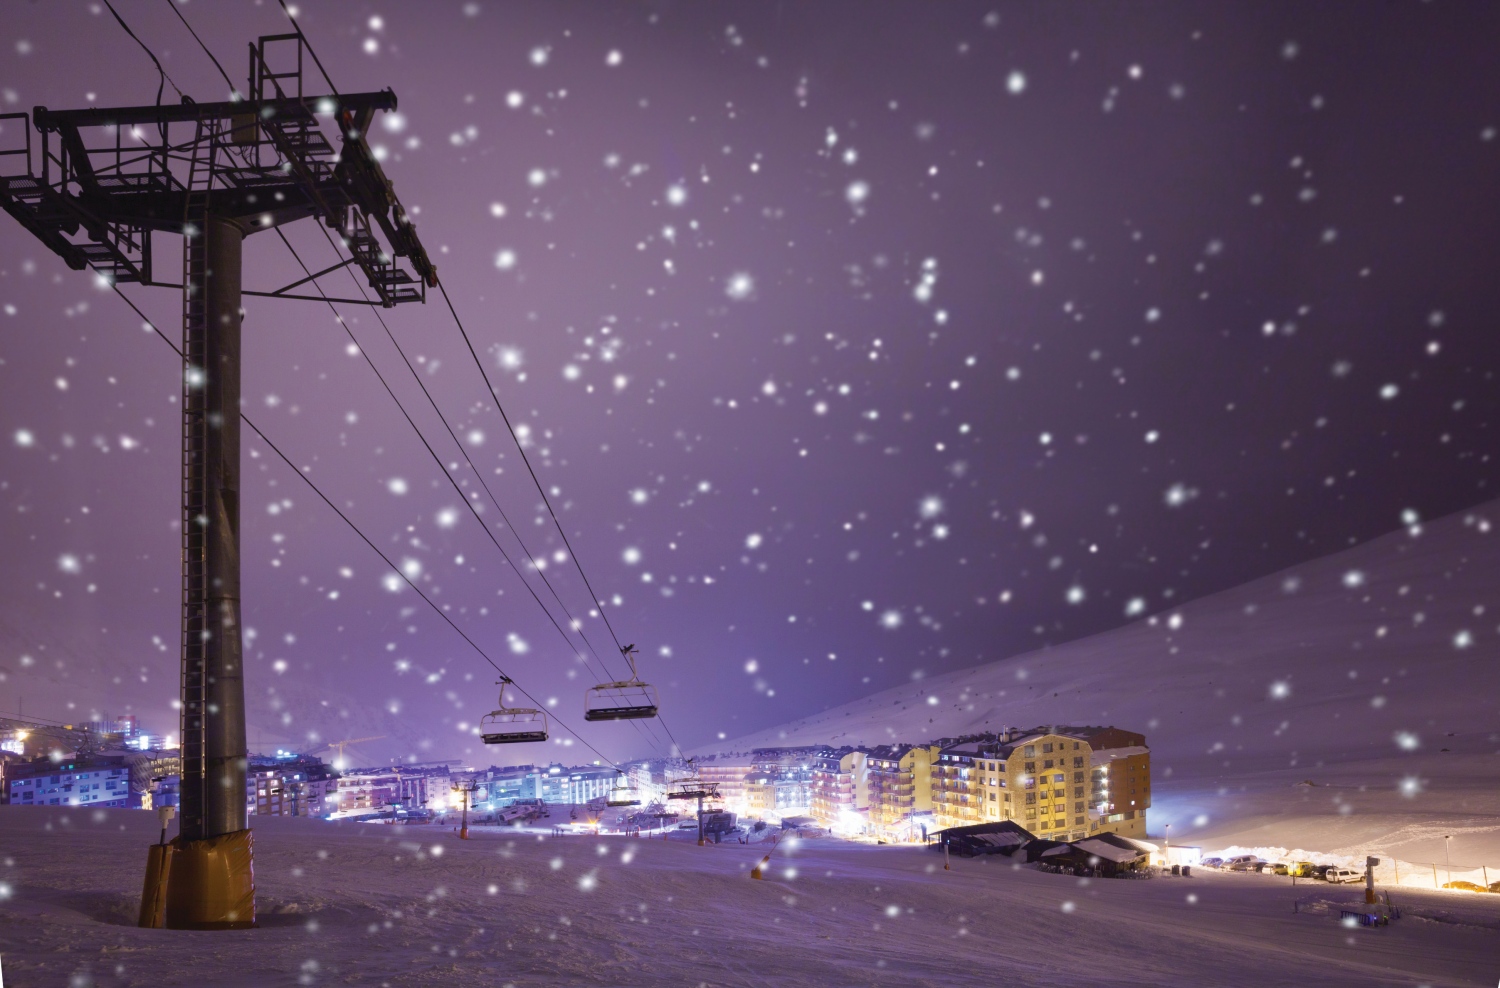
{"x": 559, "y": 784}
{"x": 900, "y": 783}
{"x": 1060, "y": 783}
{"x": 109, "y": 779}
{"x": 955, "y": 801}
{"x": 71, "y": 782}
{"x": 289, "y": 786}
{"x": 366, "y": 792}
{"x": 1121, "y": 789}
{"x": 840, "y": 789}
{"x": 729, "y": 773}
{"x": 1037, "y": 779}
{"x": 1120, "y": 783}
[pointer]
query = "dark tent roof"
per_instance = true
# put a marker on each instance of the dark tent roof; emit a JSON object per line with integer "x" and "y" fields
{"x": 1036, "y": 848}
{"x": 997, "y": 827}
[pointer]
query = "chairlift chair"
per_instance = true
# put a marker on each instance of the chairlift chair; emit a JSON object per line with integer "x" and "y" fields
{"x": 512, "y": 725}
{"x": 623, "y": 793}
{"x": 626, "y": 699}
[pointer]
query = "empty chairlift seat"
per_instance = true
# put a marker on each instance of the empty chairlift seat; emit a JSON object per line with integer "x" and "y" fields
{"x": 625, "y": 699}
{"x": 623, "y": 793}
{"x": 512, "y": 725}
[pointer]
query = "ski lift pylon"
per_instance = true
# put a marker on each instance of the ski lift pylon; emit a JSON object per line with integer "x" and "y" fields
{"x": 512, "y": 725}
{"x": 625, "y": 699}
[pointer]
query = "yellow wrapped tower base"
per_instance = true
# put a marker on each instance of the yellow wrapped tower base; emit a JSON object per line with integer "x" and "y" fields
{"x": 154, "y": 889}
{"x": 211, "y": 884}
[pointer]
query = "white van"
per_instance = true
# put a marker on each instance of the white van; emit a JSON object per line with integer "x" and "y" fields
{"x": 1343, "y": 876}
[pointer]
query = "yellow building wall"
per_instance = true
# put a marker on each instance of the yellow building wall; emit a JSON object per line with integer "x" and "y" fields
{"x": 918, "y": 762}
{"x": 1063, "y": 759}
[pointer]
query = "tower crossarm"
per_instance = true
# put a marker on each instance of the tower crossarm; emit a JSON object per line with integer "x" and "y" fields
{"x": 106, "y": 178}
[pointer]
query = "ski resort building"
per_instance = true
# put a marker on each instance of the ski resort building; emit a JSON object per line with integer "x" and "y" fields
{"x": 368, "y": 792}
{"x": 1121, "y": 789}
{"x": 840, "y": 798}
{"x": 1061, "y": 783}
{"x": 729, "y": 774}
{"x": 1058, "y": 782}
{"x": 955, "y": 803}
{"x": 108, "y": 779}
{"x": 1120, "y": 778}
{"x": 70, "y": 783}
{"x": 900, "y": 781}
{"x": 289, "y": 786}
{"x": 559, "y": 784}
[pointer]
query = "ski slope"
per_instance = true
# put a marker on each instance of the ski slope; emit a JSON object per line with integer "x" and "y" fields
{"x": 414, "y": 906}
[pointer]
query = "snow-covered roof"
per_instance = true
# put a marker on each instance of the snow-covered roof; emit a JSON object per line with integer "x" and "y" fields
{"x": 1111, "y": 754}
{"x": 1107, "y": 850}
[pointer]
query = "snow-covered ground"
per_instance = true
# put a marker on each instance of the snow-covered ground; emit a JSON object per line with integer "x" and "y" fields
{"x": 384, "y": 905}
{"x": 1373, "y": 673}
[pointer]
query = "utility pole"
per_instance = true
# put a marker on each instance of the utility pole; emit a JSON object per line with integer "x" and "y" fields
{"x": 109, "y": 180}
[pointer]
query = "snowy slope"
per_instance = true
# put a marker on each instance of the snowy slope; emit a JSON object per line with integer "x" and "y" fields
{"x": 1365, "y": 671}
{"x": 1366, "y": 643}
{"x": 407, "y": 906}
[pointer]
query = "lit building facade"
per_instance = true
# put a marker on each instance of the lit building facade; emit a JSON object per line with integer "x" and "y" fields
{"x": 111, "y": 779}
{"x": 955, "y": 797}
{"x": 71, "y": 782}
{"x": 730, "y": 774}
{"x": 367, "y": 792}
{"x": 296, "y": 786}
{"x": 900, "y": 781}
{"x": 559, "y": 784}
{"x": 1121, "y": 789}
{"x": 1060, "y": 783}
{"x": 840, "y": 790}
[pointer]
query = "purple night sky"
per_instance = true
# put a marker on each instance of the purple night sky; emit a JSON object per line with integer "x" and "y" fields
{"x": 858, "y": 342}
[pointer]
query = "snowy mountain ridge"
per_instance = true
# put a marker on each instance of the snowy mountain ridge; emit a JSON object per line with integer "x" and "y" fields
{"x": 1383, "y": 650}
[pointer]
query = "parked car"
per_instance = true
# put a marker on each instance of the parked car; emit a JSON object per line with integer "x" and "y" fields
{"x": 1343, "y": 876}
{"x": 1244, "y": 862}
{"x": 1302, "y": 869}
{"x": 1211, "y": 863}
{"x": 1276, "y": 868}
{"x": 1320, "y": 871}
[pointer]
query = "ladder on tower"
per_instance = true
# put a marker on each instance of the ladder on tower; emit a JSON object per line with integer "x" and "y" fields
{"x": 197, "y": 622}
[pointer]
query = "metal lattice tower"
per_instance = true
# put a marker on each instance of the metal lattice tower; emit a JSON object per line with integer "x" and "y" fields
{"x": 109, "y": 180}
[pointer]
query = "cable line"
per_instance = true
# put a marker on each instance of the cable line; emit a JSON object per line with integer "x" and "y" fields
{"x": 233, "y": 89}
{"x": 164, "y": 78}
{"x": 573, "y": 622}
{"x": 316, "y": 61}
{"x": 364, "y": 538}
{"x": 599, "y": 603}
{"x": 495, "y": 396}
{"x": 428, "y": 446}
